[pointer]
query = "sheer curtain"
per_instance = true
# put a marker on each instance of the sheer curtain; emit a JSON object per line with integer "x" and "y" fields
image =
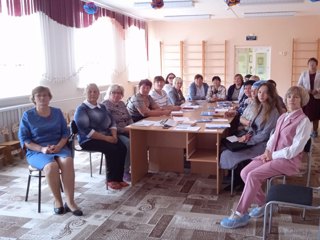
{"x": 56, "y": 41}
{"x": 21, "y": 55}
{"x": 95, "y": 52}
{"x": 136, "y": 54}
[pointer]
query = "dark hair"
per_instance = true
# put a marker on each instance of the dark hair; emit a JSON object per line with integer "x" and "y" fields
{"x": 272, "y": 102}
{"x": 169, "y": 76}
{"x": 314, "y": 60}
{"x": 198, "y": 76}
{"x": 146, "y": 82}
{"x": 216, "y": 78}
{"x": 247, "y": 76}
{"x": 273, "y": 82}
{"x": 249, "y": 82}
{"x": 158, "y": 79}
{"x": 39, "y": 89}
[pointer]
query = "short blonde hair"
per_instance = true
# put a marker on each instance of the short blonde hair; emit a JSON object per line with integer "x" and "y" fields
{"x": 114, "y": 88}
{"x": 301, "y": 92}
{"x": 176, "y": 80}
{"x": 40, "y": 89}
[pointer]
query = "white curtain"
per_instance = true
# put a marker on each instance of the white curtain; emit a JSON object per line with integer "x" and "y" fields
{"x": 40, "y": 50}
{"x": 21, "y": 55}
{"x": 58, "y": 46}
{"x": 136, "y": 54}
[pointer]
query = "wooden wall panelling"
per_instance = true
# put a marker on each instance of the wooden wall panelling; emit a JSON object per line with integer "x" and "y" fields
{"x": 301, "y": 52}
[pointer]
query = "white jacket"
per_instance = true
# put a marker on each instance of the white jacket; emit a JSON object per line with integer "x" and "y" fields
{"x": 304, "y": 81}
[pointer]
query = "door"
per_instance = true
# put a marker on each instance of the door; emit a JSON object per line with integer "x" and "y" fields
{"x": 254, "y": 61}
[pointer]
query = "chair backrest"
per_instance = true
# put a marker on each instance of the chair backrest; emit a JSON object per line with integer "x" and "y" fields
{"x": 15, "y": 130}
{"x": 74, "y": 127}
{"x": 5, "y": 134}
{"x": 307, "y": 147}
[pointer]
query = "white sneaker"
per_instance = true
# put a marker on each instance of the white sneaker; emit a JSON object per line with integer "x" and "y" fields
{"x": 235, "y": 220}
{"x": 257, "y": 212}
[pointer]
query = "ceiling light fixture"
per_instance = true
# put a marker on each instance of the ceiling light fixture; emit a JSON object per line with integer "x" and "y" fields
{"x": 270, "y": 14}
{"x": 186, "y": 17}
{"x": 167, "y": 4}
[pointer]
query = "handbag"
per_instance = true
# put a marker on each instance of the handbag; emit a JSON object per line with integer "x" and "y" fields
{"x": 234, "y": 146}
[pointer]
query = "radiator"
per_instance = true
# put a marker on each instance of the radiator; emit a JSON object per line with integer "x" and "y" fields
{"x": 10, "y": 115}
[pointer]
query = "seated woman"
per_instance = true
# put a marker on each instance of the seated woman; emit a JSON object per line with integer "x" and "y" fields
{"x": 169, "y": 82}
{"x": 282, "y": 156}
{"x": 175, "y": 94}
{"x": 198, "y": 89}
{"x": 160, "y": 96}
{"x": 43, "y": 133}
{"x": 97, "y": 132}
{"x": 216, "y": 91}
{"x": 234, "y": 90}
{"x": 253, "y": 142}
{"x": 248, "y": 114}
{"x": 120, "y": 114}
{"x": 142, "y": 104}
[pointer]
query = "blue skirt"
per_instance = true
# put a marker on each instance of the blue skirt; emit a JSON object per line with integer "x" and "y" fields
{"x": 39, "y": 160}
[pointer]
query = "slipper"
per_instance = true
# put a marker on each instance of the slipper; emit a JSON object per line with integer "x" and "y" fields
{"x": 114, "y": 185}
{"x": 123, "y": 184}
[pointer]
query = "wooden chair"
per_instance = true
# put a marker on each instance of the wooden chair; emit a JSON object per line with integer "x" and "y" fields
{"x": 4, "y": 155}
{"x": 71, "y": 115}
{"x": 10, "y": 142}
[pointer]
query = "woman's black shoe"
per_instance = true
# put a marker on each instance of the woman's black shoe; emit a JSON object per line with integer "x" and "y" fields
{"x": 76, "y": 212}
{"x": 59, "y": 210}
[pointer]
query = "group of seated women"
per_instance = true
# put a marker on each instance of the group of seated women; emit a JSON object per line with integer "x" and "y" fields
{"x": 102, "y": 127}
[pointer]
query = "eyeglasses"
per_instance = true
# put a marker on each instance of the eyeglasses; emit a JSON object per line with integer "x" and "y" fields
{"x": 41, "y": 95}
{"x": 117, "y": 93}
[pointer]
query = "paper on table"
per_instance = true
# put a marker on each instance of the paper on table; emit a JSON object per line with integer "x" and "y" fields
{"x": 232, "y": 138}
{"x": 217, "y": 125}
{"x": 183, "y": 127}
{"x": 144, "y": 123}
{"x": 220, "y": 120}
{"x": 221, "y": 109}
{"x": 181, "y": 119}
{"x": 176, "y": 113}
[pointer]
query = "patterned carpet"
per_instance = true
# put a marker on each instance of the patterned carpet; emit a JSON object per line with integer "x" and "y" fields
{"x": 162, "y": 206}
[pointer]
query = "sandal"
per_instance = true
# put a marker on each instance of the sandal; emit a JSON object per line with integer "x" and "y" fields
{"x": 114, "y": 185}
{"x": 123, "y": 184}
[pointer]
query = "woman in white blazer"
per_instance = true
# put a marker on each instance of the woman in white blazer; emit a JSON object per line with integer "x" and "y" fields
{"x": 310, "y": 80}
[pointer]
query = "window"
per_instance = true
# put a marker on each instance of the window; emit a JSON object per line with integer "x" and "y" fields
{"x": 21, "y": 58}
{"x": 94, "y": 49}
{"x": 136, "y": 54}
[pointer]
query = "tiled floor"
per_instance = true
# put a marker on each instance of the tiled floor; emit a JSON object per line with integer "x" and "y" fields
{"x": 162, "y": 206}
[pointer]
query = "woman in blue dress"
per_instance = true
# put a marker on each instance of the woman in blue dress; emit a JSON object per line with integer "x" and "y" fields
{"x": 43, "y": 133}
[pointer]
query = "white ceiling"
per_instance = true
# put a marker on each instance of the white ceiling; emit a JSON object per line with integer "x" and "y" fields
{"x": 214, "y": 9}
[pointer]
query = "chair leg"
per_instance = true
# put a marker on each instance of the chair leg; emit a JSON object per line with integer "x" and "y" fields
{"x": 101, "y": 160}
{"x": 39, "y": 193}
{"x": 265, "y": 218}
{"x": 90, "y": 164}
{"x": 28, "y": 186}
{"x": 232, "y": 181}
{"x": 270, "y": 218}
{"x": 106, "y": 171}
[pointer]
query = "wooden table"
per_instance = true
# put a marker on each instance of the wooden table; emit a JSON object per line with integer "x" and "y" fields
{"x": 161, "y": 149}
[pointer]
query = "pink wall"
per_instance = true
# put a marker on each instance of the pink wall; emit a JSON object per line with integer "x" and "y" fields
{"x": 277, "y": 33}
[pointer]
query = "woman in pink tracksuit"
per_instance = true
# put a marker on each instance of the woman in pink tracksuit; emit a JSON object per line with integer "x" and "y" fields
{"x": 283, "y": 155}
